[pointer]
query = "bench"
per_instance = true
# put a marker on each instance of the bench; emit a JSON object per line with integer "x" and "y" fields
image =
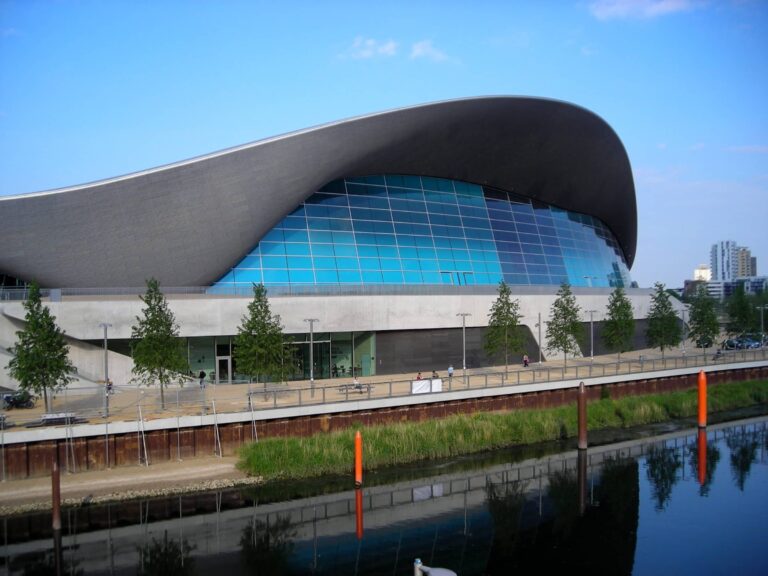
{"x": 54, "y": 418}
{"x": 359, "y": 387}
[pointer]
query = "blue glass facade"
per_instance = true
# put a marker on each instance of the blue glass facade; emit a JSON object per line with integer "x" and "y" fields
{"x": 397, "y": 229}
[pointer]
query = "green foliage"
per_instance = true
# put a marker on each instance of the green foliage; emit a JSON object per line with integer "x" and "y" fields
{"x": 564, "y": 329}
{"x": 158, "y": 355}
{"x": 619, "y": 325}
{"x": 166, "y": 558}
{"x": 300, "y": 457}
{"x": 503, "y": 325}
{"x": 663, "y": 324}
{"x": 40, "y": 360}
{"x": 259, "y": 348}
{"x": 742, "y": 316}
{"x": 702, "y": 317}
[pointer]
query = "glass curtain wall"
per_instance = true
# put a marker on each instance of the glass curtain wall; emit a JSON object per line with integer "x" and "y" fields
{"x": 397, "y": 229}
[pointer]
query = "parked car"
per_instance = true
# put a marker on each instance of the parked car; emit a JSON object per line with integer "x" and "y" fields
{"x": 748, "y": 344}
{"x": 730, "y": 344}
{"x": 18, "y": 399}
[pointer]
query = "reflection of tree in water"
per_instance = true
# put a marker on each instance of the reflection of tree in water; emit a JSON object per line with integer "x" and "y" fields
{"x": 601, "y": 541}
{"x": 662, "y": 464}
{"x": 713, "y": 457}
{"x": 47, "y": 565}
{"x": 743, "y": 446}
{"x": 166, "y": 558}
{"x": 505, "y": 503}
{"x": 267, "y": 546}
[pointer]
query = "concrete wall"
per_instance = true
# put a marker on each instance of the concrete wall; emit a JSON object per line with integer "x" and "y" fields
{"x": 81, "y": 319}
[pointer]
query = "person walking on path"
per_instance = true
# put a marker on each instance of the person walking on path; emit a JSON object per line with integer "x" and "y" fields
{"x": 525, "y": 360}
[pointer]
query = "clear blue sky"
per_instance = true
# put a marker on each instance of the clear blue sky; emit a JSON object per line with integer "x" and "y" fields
{"x": 94, "y": 89}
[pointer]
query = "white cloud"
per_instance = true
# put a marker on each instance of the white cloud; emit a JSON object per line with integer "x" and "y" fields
{"x": 661, "y": 145}
{"x": 424, "y": 49}
{"x": 698, "y": 146}
{"x": 752, "y": 149}
{"x": 627, "y": 9}
{"x": 364, "y": 48}
{"x": 588, "y": 51}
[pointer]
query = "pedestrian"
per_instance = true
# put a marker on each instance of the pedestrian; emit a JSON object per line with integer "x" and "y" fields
{"x": 450, "y": 372}
{"x": 525, "y": 360}
{"x": 418, "y": 376}
{"x": 202, "y": 378}
{"x": 434, "y": 375}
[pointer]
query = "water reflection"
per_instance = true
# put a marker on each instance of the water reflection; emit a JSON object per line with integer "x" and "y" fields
{"x": 613, "y": 509}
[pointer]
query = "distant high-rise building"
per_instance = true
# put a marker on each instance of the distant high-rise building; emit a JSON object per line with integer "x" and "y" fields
{"x": 702, "y": 272}
{"x": 744, "y": 263}
{"x": 724, "y": 261}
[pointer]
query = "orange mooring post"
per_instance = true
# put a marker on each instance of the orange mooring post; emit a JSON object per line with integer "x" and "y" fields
{"x": 358, "y": 459}
{"x": 702, "y": 399}
{"x": 359, "y": 513}
{"x": 702, "y": 445}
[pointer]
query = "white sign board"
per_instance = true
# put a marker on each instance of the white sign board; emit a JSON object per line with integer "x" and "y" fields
{"x": 426, "y": 386}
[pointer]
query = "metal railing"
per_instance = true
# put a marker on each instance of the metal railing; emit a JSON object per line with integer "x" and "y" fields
{"x": 85, "y": 404}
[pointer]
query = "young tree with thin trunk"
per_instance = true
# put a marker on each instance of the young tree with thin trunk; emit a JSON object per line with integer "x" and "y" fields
{"x": 619, "y": 325}
{"x": 158, "y": 356}
{"x": 704, "y": 326}
{"x": 741, "y": 313}
{"x": 663, "y": 324}
{"x": 259, "y": 348}
{"x": 503, "y": 326}
{"x": 564, "y": 329}
{"x": 40, "y": 360}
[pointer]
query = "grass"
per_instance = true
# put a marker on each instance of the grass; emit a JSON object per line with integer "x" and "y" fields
{"x": 296, "y": 457}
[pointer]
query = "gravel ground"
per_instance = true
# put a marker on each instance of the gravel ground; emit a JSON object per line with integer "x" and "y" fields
{"x": 163, "y": 479}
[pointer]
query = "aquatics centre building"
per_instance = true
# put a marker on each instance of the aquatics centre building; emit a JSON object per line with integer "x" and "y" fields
{"x": 382, "y": 234}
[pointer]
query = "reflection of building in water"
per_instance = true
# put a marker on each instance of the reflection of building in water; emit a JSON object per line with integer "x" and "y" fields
{"x": 512, "y": 518}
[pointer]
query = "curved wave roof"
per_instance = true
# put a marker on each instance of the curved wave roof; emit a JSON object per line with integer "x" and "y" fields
{"x": 186, "y": 224}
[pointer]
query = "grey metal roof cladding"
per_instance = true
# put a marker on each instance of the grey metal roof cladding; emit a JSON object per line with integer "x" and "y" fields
{"x": 186, "y": 224}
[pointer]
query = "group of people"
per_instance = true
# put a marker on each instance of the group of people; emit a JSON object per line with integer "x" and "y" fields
{"x": 526, "y": 362}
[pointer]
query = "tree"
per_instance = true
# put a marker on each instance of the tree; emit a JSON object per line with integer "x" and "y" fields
{"x": 619, "y": 325}
{"x": 704, "y": 326}
{"x": 741, "y": 314}
{"x": 564, "y": 329}
{"x": 663, "y": 326}
{"x": 503, "y": 326}
{"x": 40, "y": 356}
{"x": 259, "y": 348}
{"x": 158, "y": 356}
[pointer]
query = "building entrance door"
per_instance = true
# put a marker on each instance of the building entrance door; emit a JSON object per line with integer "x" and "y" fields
{"x": 223, "y": 369}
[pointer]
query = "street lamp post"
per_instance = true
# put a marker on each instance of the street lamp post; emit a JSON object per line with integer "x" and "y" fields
{"x": 762, "y": 323}
{"x": 464, "y": 343}
{"x": 591, "y": 336}
{"x": 311, "y": 353}
{"x": 682, "y": 342}
{"x": 105, "y": 325}
{"x": 538, "y": 325}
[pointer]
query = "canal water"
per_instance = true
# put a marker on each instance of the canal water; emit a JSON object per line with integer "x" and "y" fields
{"x": 684, "y": 502}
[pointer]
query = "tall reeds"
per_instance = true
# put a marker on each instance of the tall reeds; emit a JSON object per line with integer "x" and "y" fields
{"x": 331, "y": 453}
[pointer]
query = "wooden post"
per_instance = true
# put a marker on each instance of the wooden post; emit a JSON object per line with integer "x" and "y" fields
{"x": 56, "y": 495}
